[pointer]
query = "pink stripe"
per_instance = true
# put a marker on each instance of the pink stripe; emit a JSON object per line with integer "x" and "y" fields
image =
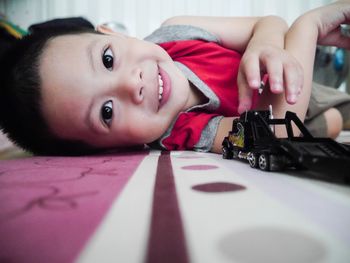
{"x": 167, "y": 240}
{"x": 50, "y": 207}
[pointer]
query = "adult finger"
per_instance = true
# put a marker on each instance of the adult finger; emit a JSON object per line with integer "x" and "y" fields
{"x": 336, "y": 38}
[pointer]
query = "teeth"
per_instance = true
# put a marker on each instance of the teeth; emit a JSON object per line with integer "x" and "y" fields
{"x": 160, "y": 81}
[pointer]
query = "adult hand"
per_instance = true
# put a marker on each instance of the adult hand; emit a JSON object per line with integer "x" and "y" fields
{"x": 331, "y": 20}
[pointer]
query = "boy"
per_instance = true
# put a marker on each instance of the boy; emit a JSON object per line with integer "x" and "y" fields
{"x": 73, "y": 91}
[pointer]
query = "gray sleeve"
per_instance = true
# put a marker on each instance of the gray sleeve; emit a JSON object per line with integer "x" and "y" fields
{"x": 180, "y": 32}
{"x": 206, "y": 141}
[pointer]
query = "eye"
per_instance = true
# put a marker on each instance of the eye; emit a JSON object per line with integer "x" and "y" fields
{"x": 107, "y": 112}
{"x": 107, "y": 58}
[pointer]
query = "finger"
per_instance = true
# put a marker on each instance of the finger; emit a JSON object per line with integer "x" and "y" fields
{"x": 275, "y": 72}
{"x": 293, "y": 79}
{"x": 344, "y": 42}
{"x": 250, "y": 68}
{"x": 336, "y": 38}
{"x": 245, "y": 94}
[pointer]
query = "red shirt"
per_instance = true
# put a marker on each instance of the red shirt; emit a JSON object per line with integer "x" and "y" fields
{"x": 217, "y": 67}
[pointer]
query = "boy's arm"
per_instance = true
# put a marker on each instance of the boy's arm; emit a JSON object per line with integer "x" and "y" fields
{"x": 234, "y": 32}
{"x": 303, "y": 51}
{"x": 261, "y": 40}
{"x": 225, "y": 126}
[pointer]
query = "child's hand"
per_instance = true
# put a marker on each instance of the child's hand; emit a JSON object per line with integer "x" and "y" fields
{"x": 329, "y": 19}
{"x": 284, "y": 71}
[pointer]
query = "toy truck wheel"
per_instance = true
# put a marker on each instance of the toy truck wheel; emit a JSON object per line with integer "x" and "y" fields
{"x": 264, "y": 163}
{"x": 235, "y": 153}
{"x": 226, "y": 153}
{"x": 252, "y": 159}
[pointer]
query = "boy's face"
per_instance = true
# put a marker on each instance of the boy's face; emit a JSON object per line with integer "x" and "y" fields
{"x": 110, "y": 90}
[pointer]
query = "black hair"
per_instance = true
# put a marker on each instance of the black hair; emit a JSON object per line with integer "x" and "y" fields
{"x": 21, "y": 117}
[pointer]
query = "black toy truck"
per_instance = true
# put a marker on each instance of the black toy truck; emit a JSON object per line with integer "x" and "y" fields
{"x": 252, "y": 139}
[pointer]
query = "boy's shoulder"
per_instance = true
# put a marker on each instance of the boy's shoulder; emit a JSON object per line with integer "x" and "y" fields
{"x": 171, "y": 33}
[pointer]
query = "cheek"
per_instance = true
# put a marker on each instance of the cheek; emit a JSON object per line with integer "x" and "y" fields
{"x": 142, "y": 128}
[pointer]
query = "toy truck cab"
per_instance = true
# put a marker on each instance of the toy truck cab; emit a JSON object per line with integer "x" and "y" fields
{"x": 238, "y": 139}
{"x": 252, "y": 139}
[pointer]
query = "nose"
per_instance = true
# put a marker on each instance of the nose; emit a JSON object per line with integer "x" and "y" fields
{"x": 132, "y": 86}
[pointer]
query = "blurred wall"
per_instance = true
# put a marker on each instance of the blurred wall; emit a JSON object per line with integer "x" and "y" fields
{"x": 141, "y": 17}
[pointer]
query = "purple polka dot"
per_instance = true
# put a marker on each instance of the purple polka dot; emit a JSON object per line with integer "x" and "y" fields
{"x": 218, "y": 187}
{"x": 200, "y": 167}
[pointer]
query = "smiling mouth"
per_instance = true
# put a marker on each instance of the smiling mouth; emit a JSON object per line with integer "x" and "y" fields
{"x": 164, "y": 83}
{"x": 161, "y": 89}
